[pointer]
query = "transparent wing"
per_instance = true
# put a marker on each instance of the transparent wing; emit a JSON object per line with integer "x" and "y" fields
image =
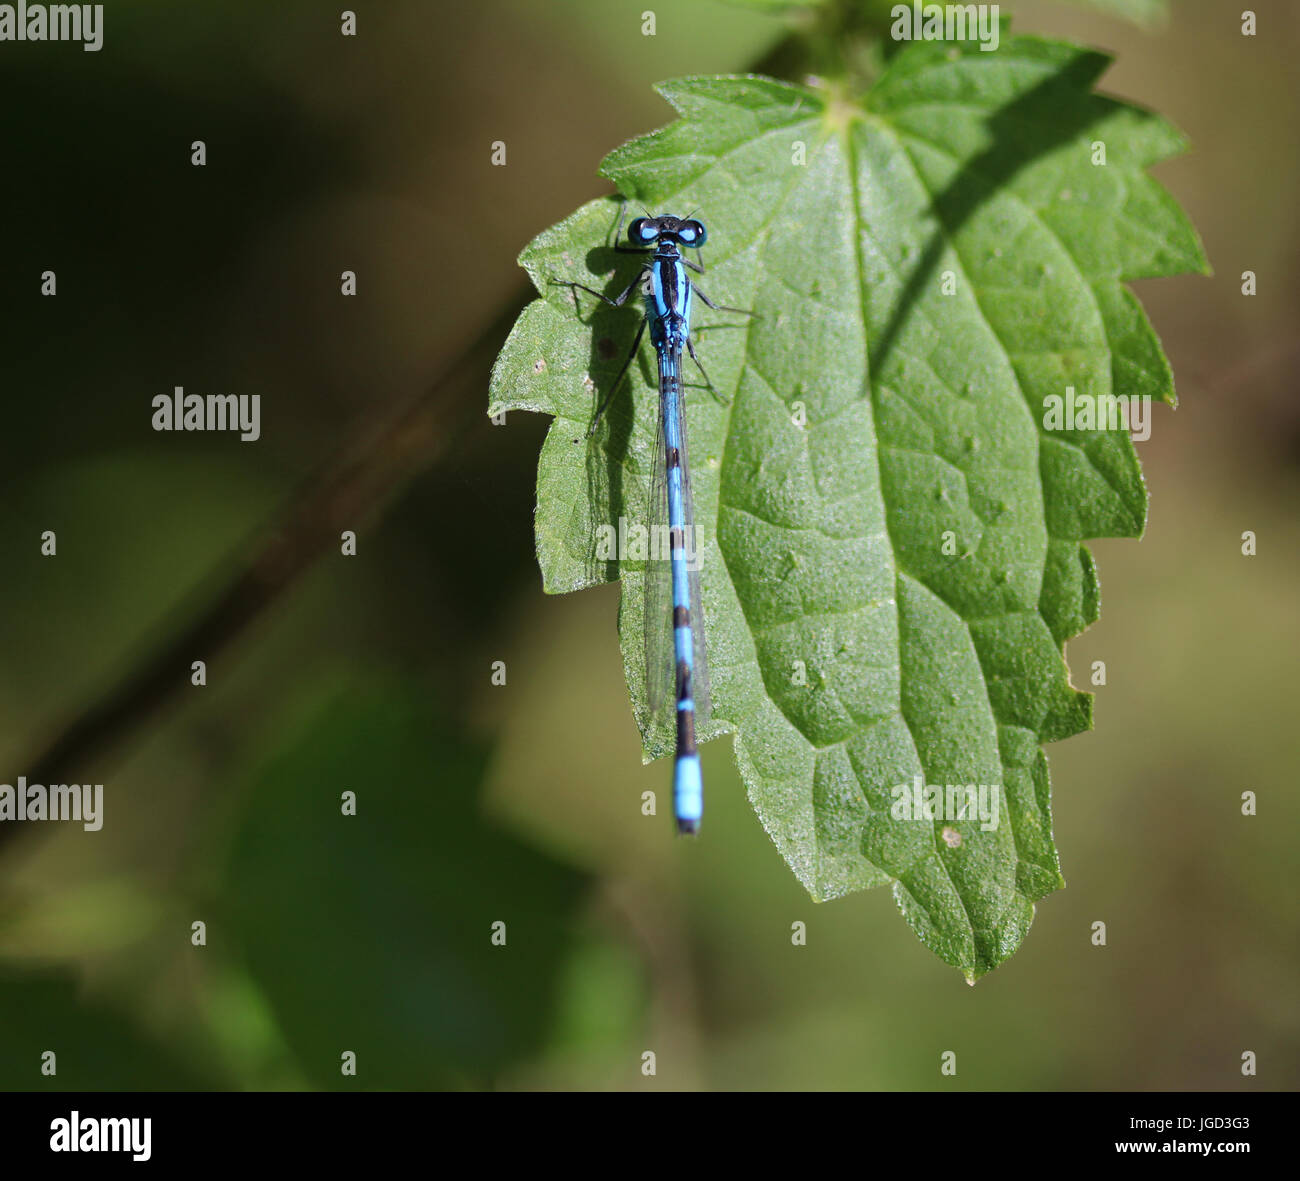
{"x": 660, "y": 658}
{"x": 658, "y": 592}
{"x": 695, "y": 553}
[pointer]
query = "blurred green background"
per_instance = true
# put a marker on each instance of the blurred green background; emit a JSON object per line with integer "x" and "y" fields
{"x": 520, "y": 802}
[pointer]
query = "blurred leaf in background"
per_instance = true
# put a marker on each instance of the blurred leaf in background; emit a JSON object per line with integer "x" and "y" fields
{"x": 1153, "y": 13}
{"x": 94, "y": 1047}
{"x": 413, "y": 933}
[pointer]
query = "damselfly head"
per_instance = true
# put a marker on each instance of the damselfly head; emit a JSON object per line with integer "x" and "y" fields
{"x": 644, "y": 231}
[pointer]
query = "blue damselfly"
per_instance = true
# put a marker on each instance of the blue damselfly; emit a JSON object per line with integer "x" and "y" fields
{"x": 676, "y": 670}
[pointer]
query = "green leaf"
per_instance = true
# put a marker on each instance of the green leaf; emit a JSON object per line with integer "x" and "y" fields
{"x": 1149, "y": 13}
{"x": 779, "y": 5}
{"x": 1142, "y": 12}
{"x": 372, "y": 932}
{"x": 848, "y": 651}
{"x": 97, "y": 1047}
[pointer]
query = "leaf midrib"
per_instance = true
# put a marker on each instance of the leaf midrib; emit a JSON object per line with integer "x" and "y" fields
{"x": 851, "y": 156}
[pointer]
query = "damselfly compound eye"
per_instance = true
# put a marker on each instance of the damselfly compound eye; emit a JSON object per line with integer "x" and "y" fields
{"x": 641, "y": 231}
{"x": 692, "y": 233}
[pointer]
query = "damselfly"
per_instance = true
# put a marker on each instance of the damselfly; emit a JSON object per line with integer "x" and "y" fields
{"x": 676, "y": 671}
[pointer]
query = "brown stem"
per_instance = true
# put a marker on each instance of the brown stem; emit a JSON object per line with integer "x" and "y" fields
{"x": 348, "y": 491}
